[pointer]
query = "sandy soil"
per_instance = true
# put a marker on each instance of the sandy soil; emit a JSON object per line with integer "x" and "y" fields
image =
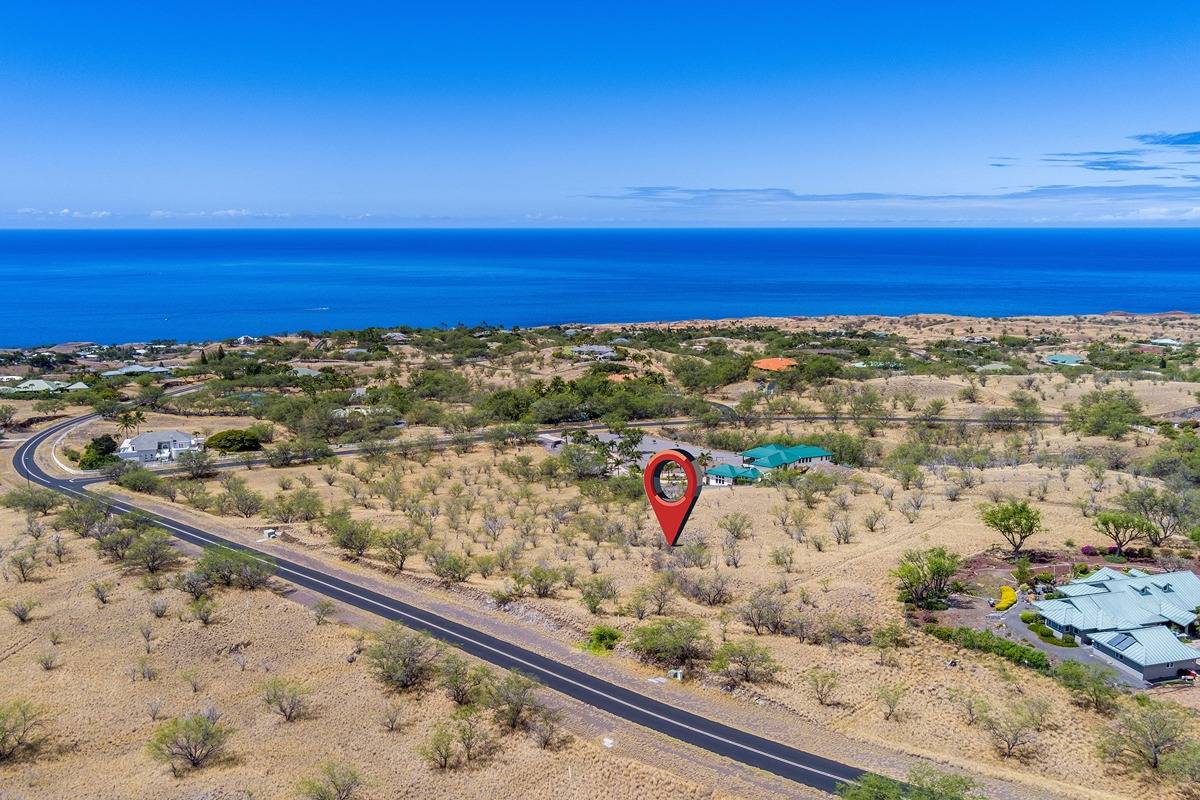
{"x": 100, "y": 720}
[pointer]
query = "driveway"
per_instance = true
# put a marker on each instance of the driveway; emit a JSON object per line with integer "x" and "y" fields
{"x": 654, "y": 444}
{"x": 1083, "y": 654}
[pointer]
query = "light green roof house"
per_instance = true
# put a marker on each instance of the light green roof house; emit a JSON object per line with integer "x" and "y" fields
{"x": 1132, "y": 618}
{"x": 1146, "y": 648}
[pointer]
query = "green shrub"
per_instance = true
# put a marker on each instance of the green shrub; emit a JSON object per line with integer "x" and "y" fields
{"x": 140, "y": 479}
{"x": 193, "y": 741}
{"x": 988, "y": 642}
{"x": 1046, "y": 634}
{"x": 21, "y": 728}
{"x": 99, "y": 452}
{"x": 744, "y": 662}
{"x": 234, "y": 441}
{"x": 1030, "y": 617}
{"x": 222, "y": 566}
{"x": 671, "y": 641}
{"x": 603, "y": 638}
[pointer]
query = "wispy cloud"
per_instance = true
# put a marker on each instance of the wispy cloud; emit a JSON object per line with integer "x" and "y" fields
{"x": 684, "y": 196}
{"x": 1111, "y": 202}
{"x": 1106, "y": 164}
{"x": 1168, "y": 139}
{"x": 65, "y": 213}
{"x": 1154, "y": 156}
{"x": 1141, "y": 151}
{"x": 220, "y": 213}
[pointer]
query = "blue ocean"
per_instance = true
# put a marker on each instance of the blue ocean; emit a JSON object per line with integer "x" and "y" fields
{"x": 118, "y": 286}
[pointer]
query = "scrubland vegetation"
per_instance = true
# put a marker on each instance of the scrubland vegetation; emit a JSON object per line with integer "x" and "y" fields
{"x": 852, "y": 598}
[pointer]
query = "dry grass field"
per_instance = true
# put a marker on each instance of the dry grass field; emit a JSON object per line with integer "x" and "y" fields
{"x": 848, "y": 583}
{"x": 828, "y": 559}
{"x": 100, "y": 703}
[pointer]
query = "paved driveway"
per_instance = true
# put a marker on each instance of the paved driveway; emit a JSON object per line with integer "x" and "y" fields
{"x": 1083, "y": 654}
{"x": 654, "y": 444}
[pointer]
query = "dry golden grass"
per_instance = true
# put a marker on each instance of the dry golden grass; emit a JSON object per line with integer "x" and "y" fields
{"x": 847, "y": 580}
{"x": 842, "y": 580}
{"x": 100, "y": 720}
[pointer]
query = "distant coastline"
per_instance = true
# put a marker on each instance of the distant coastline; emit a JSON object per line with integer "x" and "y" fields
{"x": 189, "y": 285}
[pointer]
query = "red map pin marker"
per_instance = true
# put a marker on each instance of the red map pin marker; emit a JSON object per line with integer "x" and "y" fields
{"x": 672, "y": 514}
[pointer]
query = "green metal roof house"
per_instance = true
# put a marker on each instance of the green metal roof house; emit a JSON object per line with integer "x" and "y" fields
{"x": 729, "y": 474}
{"x": 773, "y": 456}
{"x": 1131, "y": 618}
{"x": 1154, "y": 652}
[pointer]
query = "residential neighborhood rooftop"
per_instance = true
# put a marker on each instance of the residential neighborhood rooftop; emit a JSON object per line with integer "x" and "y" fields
{"x": 1063, "y": 359}
{"x": 772, "y": 456}
{"x": 774, "y": 364}
{"x": 136, "y": 369}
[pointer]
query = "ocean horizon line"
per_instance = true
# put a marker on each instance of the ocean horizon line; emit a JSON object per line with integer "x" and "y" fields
{"x": 209, "y": 284}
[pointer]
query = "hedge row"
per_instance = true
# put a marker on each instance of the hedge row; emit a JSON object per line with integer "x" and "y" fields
{"x": 988, "y": 642}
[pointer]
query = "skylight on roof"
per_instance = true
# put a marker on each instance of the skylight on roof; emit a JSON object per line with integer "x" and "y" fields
{"x": 1122, "y": 642}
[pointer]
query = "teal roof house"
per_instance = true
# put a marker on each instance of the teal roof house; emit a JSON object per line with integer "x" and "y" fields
{"x": 774, "y": 456}
{"x": 729, "y": 474}
{"x": 1133, "y": 619}
{"x": 1062, "y": 360}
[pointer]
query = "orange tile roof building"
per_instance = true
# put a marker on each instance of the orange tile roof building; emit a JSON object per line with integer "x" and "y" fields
{"x": 774, "y": 364}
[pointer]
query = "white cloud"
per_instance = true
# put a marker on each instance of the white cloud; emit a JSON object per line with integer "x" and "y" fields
{"x": 62, "y": 212}
{"x": 220, "y": 213}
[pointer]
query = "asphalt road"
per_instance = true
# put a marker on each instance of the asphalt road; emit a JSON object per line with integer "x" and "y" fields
{"x": 732, "y": 743}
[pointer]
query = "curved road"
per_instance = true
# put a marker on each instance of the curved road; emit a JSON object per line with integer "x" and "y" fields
{"x": 732, "y": 743}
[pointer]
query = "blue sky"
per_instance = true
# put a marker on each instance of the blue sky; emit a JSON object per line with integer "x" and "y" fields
{"x": 624, "y": 114}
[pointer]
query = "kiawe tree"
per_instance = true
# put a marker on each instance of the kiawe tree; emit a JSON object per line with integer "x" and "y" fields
{"x": 1168, "y": 512}
{"x": 923, "y": 576}
{"x": 1122, "y": 528}
{"x": 1015, "y": 520}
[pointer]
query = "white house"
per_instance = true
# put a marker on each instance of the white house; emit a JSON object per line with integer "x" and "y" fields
{"x": 598, "y": 352}
{"x": 135, "y": 369}
{"x": 158, "y": 446}
{"x": 40, "y": 385}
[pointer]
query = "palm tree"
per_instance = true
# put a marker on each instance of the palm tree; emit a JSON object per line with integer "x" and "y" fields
{"x": 126, "y": 423}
